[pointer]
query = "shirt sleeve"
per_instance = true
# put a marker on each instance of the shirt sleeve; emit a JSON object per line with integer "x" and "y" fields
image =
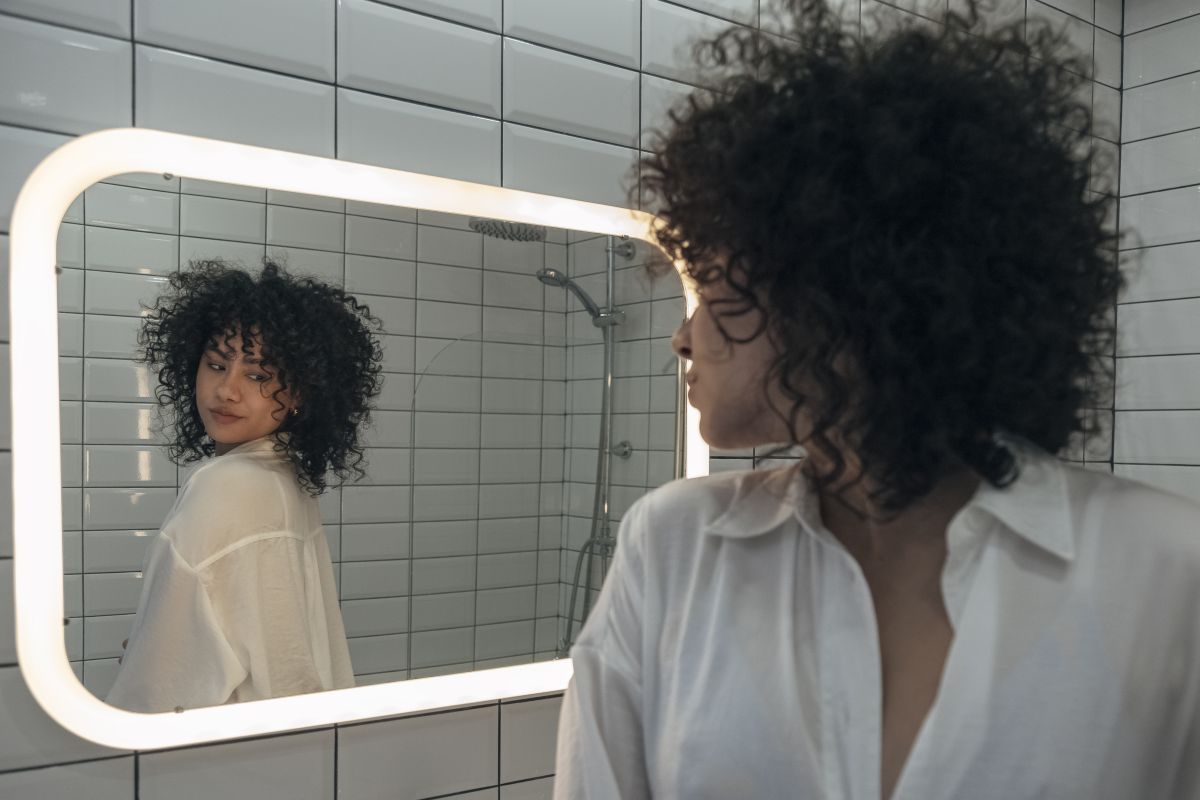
{"x": 178, "y": 656}
{"x": 267, "y": 597}
{"x": 601, "y": 745}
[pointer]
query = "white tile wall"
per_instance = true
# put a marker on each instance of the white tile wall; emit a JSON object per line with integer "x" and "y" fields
{"x": 563, "y": 92}
{"x": 1154, "y": 437}
{"x": 20, "y": 152}
{"x": 1162, "y": 52}
{"x": 668, "y": 31}
{"x": 415, "y": 57}
{"x": 393, "y": 133}
{"x": 191, "y": 94}
{"x": 607, "y": 30}
{"x": 419, "y": 757}
{"x": 553, "y": 163}
{"x": 299, "y": 767}
{"x": 88, "y": 87}
{"x": 1142, "y": 15}
{"x": 1157, "y": 108}
{"x": 303, "y": 47}
{"x": 477, "y": 13}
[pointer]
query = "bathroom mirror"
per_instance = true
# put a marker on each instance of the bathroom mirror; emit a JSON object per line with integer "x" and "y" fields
{"x": 507, "y": 441}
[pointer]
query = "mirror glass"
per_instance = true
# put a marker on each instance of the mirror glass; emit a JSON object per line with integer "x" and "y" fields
{"x": 461, "y": 548}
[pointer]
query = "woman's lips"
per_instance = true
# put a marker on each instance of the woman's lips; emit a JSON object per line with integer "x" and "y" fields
{"x": 224, "y": 419}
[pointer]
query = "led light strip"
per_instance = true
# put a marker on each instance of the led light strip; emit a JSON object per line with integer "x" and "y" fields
{"x": 37, "y": 511}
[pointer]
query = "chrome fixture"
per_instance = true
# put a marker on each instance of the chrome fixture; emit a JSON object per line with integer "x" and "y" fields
{"x": 601, "y": 319}
{"x": 509, "y": 231}
{"x": 601, "y": 542}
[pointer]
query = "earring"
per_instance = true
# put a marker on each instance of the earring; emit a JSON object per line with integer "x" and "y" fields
{"x": 295, "y": 412}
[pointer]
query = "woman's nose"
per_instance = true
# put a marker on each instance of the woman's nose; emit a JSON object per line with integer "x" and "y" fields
{"x": 226, "y": 389}
{"x": 681, "y": 342}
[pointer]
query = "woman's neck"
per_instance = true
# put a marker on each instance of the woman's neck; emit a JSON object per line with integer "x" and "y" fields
{"x": 870, "y": 534}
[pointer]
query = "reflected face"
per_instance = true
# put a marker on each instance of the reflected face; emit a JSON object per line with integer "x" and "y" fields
{"x": 236, "y": 396}
{"x": 726, "y": 378}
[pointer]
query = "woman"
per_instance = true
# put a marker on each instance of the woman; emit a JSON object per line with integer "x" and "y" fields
{"x": 268, "y": 378}
{"x": 899, "y": 269}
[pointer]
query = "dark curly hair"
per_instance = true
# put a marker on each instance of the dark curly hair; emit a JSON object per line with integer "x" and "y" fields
{"x": 910, "y": 212}
{"x": 318, "y": 340}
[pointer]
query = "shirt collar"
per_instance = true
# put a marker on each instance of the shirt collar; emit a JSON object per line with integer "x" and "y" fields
{"x": 268, "y": 443}
{"x": 1034, "y": 507}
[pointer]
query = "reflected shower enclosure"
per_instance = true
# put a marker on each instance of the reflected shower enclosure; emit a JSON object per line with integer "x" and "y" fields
{"x": 530, "y": 397}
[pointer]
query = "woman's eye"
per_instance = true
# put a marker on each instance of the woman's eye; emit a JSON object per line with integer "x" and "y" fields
{"x": 260, "y": 378}
{"x": 215, "y": 366}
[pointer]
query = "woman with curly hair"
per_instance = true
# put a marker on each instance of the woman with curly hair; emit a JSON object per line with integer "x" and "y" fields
{"x": 268, "y": 380}
{"x": 901, "y": 270}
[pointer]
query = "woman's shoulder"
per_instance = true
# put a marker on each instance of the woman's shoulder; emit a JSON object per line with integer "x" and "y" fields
{"x": 1120, "y": 512}
{"x": 745, "y": 499}
{"x": 230, "y": 499}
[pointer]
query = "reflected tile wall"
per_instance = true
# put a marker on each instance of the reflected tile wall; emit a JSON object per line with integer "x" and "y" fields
{"x": 443, "y": 549}
{"x": 1157, "y": 401}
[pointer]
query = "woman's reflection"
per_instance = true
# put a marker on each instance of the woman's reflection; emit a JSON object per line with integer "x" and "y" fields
{"x": 268, "y": 378}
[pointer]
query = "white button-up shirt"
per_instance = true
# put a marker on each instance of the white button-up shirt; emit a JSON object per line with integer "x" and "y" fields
{"x": 238, "y": 601}
{"x": 734, "y": 651}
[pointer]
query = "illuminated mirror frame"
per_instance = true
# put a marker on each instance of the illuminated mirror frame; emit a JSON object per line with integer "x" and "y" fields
{"x": 37, "y": 468}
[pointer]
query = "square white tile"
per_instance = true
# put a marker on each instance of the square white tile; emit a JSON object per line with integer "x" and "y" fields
{"x": 20, "y": 151}
{"x": 121, "y": 509}
{"x": 374, "y": 504}
{"x": 63, "y": 80}
{"x": 298, "y": 767}
{"x": 190, "y": 94}
{"x": 448, "y": 246}
{"x": 1165, "y": 217}
{"x": 448, "y": 648}
{"x": 580, "y": 96}
{"x": 368, "y": 579}
{"x": 567, "y": 166}
{"x": 375, "y": 617}
{"x": 1140, "y": 15}
{"x": 121, "y": 294}
{"x": 109, "y": 17}
{"x": 451, "y": 284}
{"x": 1157, "y": 108}
{"x": 393, "y": 52}
{"x": 375, "y": 541}
{"x": 1162, "y": 273}
{"x": 300, "y": 227}
{"x": 432, "y": 503}
{"x": 448, "y": 320}
{"x": 607, "y": 30}
{"x": 304, "y": 47}
{"x": 376, "y": 654}
{"x": 381, "y": 238}
{"x": 108, "y": 779}
{"x": 1157, "y": 437}
{"x": 218, "y": 218}
{"x": 132, "y": 208}
{"x": 668, "y": 32}
{"x": 374, "y": 275}
{"x": 452, "y": 538}
{"x": 401, "y": 135}
{"x": 438, "y": 611}
{"x": 529, "y": 731}
{"x": 447, "y": 430}
{"x": 115, "y": 250}
{"x": 441, "y": 467}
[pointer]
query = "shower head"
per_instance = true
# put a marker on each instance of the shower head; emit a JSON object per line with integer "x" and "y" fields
{"x": 509, "y": 231}
{"x": 552, "y": 277}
